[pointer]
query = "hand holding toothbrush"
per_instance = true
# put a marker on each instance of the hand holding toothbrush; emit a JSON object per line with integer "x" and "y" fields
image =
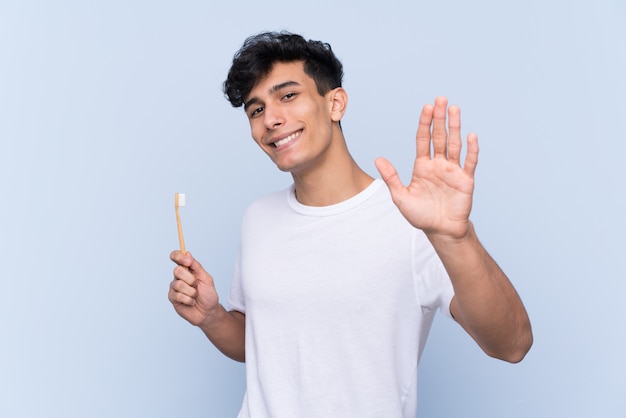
{"x": 192, "y": 292}
{"x": 194, "y": 297}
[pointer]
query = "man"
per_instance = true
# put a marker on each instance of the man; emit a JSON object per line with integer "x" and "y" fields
{"x": 339, "y": 277}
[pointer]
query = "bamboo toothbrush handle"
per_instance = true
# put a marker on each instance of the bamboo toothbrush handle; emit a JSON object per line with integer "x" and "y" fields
{"x": 181, "y": 239}
{"x": 180, "y": 233}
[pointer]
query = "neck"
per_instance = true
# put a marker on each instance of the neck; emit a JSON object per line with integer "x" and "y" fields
{"x": 336, "y": 179}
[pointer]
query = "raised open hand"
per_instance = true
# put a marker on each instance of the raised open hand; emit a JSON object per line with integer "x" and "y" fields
{"x": 439, "y": 198}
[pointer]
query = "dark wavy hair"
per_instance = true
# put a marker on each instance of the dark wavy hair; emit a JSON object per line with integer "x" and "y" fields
{"x": 259, "y": 53}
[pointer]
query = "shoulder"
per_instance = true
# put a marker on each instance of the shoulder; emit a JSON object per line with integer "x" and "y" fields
{"x": 269, "y": 203}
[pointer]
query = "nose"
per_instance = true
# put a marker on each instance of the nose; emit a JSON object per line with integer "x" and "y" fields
{"x": 272, "y": 118}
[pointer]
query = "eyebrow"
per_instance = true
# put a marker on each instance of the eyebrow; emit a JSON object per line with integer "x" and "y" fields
{"x": 272, "y": 90}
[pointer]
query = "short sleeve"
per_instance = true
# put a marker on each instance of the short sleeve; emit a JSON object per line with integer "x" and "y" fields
{"x": 236, "y": 299}
{"x": 432, "y": 283}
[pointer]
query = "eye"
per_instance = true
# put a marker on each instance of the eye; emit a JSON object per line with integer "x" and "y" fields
{"x": 289, "y": 96}
{"x": 256, "y": 111}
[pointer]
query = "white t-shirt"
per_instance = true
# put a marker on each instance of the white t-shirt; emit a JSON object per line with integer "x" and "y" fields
{"x": 339, "y": 301}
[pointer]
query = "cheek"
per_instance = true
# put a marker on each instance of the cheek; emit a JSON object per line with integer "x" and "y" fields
{"x": 257, "y": 133}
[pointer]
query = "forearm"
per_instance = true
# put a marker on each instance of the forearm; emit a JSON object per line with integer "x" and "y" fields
{"x": 486, "y": 304}
{"x": 226, "y": 330}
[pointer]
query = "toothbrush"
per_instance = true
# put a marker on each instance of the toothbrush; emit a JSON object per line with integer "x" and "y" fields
{"x": 179, "y": 200}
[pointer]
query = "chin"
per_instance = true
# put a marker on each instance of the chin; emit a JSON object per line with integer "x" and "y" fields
{"x": 286, "y": 167}
{"x": 293, "y": 166}
{"x": 284, "y": 170}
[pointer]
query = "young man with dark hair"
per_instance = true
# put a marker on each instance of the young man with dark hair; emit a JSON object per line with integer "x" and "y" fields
{"x": 338, "y": 277}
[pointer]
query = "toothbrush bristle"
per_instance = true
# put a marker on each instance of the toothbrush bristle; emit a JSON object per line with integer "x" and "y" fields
{"x": 181, "y": 199}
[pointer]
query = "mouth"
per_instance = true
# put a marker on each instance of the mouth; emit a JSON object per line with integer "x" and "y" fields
{"x": 287, "y": 139}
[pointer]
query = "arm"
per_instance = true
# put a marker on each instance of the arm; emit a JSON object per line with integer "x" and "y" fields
{"x": 193, "y": 295}
{"x": 438, "y": 200}
{"x": 485, "y": 304}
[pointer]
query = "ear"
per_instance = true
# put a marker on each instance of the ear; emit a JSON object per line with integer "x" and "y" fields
{"x": 338, "y": 103}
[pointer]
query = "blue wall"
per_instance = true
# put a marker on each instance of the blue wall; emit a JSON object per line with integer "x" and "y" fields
{"x": 108, "y": 108}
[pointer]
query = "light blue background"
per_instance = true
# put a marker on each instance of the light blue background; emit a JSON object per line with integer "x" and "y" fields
{"x": 109, "y": 107}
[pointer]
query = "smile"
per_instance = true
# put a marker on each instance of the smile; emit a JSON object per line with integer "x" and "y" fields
{"x": 287, "y": 139}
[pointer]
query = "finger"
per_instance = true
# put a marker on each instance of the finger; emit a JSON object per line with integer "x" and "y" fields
{"x": 440, "y": 133}
{"x": 180, "y": 258}
{"x": 177, "y": 297}
{"x": 422, "y": 138}
{"x": 390, "y": 177}
{"x": 471, "y": 159}
{"x": 183, "y": 274}
{"x": 184, "y": 288}
{"x": 454, "y": 137}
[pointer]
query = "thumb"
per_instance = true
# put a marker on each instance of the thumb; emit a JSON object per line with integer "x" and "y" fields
{"x": 197, "y": 270}
{"x": 389, "y": 175}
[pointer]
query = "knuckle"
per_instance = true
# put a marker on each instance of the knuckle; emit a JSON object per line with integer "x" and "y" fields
{"x": 179, "y": 272}
{"x": 173, "y": 296}
{"x": 180, "y": 298}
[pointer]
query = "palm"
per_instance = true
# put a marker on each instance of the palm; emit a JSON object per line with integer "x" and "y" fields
{"x": 438, "y": 199}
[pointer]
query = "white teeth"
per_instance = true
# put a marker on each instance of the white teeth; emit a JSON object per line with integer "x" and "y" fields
{"x": 288, "y": 139}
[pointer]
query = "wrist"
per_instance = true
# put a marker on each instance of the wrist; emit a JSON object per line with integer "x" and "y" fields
{"x": 213, "y": 317}
{"x": 461, "y": 236}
